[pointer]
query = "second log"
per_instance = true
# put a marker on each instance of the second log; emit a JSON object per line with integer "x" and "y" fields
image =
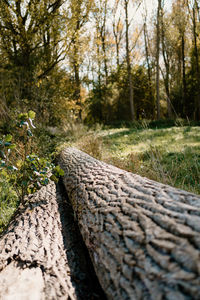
{"x": 143, "y": 236}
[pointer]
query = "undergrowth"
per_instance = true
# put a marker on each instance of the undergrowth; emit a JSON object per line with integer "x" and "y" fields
{"x": 22, "y": 171}
{"x": 8, "y": 202}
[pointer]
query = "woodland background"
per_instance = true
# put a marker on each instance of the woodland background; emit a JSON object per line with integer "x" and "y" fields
{"x": 91, "y": 61}
{"x": 118, "y": 79}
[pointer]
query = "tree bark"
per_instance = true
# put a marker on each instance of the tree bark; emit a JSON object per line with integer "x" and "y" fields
{"x": 42, "y": 255}
{"x": 143, "y": 236}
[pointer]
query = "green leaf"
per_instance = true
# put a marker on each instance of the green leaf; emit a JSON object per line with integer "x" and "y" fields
{"x": 7, "y": 144}
{"x": 12, "y": 146}
{"x": 54, "y": 178}
{"x": 23, "y": 117}
{"x": 11, "y": 168}
{"x": 43, "y": 172}
{"x": 31, "y": 114}
{"x": 61, "y": 172}
{"x": 46, "y": 181}
{"x": 2, "y": 163}
{"x": 8, "y": 138}
{"x": 58, "y": 171}
{"x": 30, "y": 157}
{"x": 2, "y": 154}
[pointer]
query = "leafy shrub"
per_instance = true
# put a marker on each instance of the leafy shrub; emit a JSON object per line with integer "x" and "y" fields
{"x": 24, "y": 170}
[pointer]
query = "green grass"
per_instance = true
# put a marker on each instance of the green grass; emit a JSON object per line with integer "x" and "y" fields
{"x": 8, "y": 202}
{"x": 170, "y": 155}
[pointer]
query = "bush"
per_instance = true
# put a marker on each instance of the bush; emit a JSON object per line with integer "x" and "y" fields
{"x": 19, "y": 166}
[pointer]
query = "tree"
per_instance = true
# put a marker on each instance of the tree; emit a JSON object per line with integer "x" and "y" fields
{"x": 131, "y": 95}
{"x": 158, "y": 59}
{"x": 30, "y": 41}
{"x": 76, "y": 18}
{"x": 166, "y": 58}
{"x": 193, "y": 9}
{"x": 117, "y": 27}
{"x": 180, "y": 21}
{"x": 100, "y": 15}
{"x": 147, "y": 55}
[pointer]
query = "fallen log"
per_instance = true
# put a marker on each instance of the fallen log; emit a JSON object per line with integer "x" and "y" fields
{"x": 143, "y": 236}
{"x": 41, "y": 255}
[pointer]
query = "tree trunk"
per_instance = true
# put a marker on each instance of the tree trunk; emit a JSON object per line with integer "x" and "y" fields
{"x": 117, "y": 51}
{"x": 103, "y": 41}
{"x": 116, "y": 46}
{"x": 148, "y": 62}
{"x": 76, "y": 66}
{"x": 158, "y": 60}
{"x": 42, "y": 255}
{"x": 117, "y": 32}
{"x": 143, "y": 236}
{"x": 167, "y": 68}
{"x": 131, "y": 94}
{"x": 196, "y": 53}
{"x": 184, "y": 74}
{"x": 169, "y": 106}
{"x": 77, "y": 92}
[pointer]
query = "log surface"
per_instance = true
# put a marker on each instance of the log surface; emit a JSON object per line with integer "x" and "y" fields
{"x": 41, "y": 255}
{"x": 143, "y": 236}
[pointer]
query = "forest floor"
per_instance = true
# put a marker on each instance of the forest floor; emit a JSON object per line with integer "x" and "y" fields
{"x": 168, "y": 155}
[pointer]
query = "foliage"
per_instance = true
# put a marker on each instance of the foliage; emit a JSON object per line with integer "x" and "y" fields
{"x": 54, "y": 55}
{"x": 23, "y": 169}
{"x": 109, "y": 103}
{"x": 30, "y": 50}
{"x": 8, "y": 200}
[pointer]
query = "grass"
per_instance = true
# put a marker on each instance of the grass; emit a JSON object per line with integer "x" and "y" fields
{"x": 170, "y": 155}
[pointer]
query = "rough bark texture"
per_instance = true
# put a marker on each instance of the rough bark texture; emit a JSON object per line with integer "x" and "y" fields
{"x": 143, "y": 236}
{"x": 42, "y": 255}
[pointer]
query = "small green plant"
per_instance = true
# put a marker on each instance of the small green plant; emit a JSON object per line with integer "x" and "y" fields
{"x": 21, "y": 168}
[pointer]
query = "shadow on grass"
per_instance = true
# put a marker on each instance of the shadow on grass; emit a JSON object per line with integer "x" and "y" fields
{"x": 135, "y": 136}
{"x": 184, "y": 135}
